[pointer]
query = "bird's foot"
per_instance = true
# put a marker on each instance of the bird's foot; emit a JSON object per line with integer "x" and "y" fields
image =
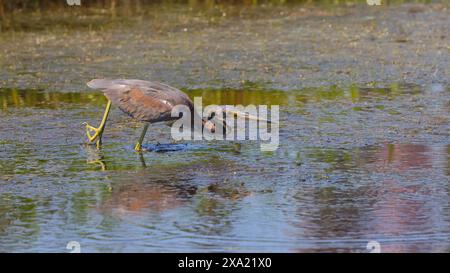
{"x": 138, "y": 147}
{"x": 89, "y": 129}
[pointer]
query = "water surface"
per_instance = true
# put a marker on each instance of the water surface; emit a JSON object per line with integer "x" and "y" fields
{"x": 354, "y": 164}
{"x": 364, "y": 128}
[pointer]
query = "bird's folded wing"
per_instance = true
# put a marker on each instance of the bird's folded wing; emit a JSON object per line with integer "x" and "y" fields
{"x": 143, "y": 100}
{"x": 139, "y": 105}
{"x": 135, "y": 98}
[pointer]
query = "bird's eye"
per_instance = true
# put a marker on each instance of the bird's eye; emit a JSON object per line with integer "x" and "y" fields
{"x": 213, "y": 114}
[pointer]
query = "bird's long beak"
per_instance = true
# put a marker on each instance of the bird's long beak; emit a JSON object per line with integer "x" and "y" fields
{"x": 246, "y": 115}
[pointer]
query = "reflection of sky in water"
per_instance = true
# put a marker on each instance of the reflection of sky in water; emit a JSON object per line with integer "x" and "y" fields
{"x": 353, "y": 165}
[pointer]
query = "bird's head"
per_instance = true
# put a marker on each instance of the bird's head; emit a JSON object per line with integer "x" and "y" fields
{"x": 216, "y": 119}
{"x": 211, "y": 127}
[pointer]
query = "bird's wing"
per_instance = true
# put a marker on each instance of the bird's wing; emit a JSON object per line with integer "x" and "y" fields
{"x": 143, "y": 100}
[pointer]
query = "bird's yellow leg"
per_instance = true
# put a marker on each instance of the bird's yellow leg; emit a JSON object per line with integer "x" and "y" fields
{"x": 98, "y": 131}
{"x": 138, "y": 146}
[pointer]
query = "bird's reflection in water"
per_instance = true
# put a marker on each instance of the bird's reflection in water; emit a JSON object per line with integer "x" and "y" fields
{"x": 145, "y": 192}
{"x": 95, "y": 156}
{"x": 152, "y": 188}
{"x": 210, "y": 189}
{"x": 162, "y": 187}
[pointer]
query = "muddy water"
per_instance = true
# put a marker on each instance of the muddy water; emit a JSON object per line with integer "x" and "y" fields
{"x": 354, "y": 165}
{"x": 364, "y": 130}
{"x": 276, "y": 47}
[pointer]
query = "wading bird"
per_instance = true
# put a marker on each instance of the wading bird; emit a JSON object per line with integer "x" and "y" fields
{"x": 149, "y": 102}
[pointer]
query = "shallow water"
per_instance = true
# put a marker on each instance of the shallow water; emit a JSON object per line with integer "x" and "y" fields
{"x": 354, "y": 165}
{"x": 283, "y": 47}
{"x": 362, "y": 156}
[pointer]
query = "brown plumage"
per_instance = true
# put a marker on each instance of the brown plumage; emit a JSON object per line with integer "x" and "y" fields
{"x": 143, "y": 100}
